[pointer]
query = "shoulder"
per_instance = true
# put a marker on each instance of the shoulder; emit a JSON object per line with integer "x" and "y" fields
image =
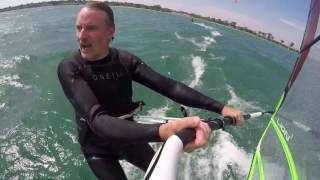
{"x": 70, "y": 63}
{"x": 128, "y": 59}
{"x": 125, "y": 55}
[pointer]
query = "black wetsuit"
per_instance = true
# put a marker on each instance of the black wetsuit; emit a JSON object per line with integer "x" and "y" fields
{"x": 100, "y": 91}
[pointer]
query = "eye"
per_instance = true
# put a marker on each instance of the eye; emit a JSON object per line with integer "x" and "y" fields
{"x": 78, "y": 28}
{"x": 91, "y": 28}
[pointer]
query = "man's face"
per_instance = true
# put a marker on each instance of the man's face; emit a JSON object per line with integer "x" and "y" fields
{"x": 93, "y": 33}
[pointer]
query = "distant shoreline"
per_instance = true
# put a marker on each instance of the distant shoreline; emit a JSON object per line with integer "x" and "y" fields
{"x": 266, "y": 36}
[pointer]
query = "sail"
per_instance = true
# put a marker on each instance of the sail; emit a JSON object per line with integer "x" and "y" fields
{"x": 290, "y": 145}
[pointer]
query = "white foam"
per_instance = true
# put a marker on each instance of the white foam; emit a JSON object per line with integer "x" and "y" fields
{"x": 164, "y": 57}
{"x": 199, "y": 164}
{"x": 204, "y": 43}
{"x": 8, "y": 132}
{"x": 205, "y": 26}
{"x": 2, "y": 105}
{"x": 159, "y": 112}
{"x": 23, "y": 164}
{"x": 198, "y": 70}
{"x": 29, "y": 146}
{"x": 212, "y": 30}
{"x": 17, "y": 161}
{"x": 48, "y": 112}
{"x": 227, "y": 154}
{"x": 12, "y": 81}
{"x": 6, "y": 64}
{"x": 73, "y": 137}
{"x": 47, "y": 160}
{"x": 44, "y": 112}
{"x": 223, "y": 160}
{"x": 131, "y": 171}
{"x": 214, "y": 57}
{"x": 207, "y": 41}
{"x": 302, "y": 126}
{"x": 179, "y": 36}
{"x": 11, "y": 153}
{"x": 215, "y": 33}
{"x": 240, "y": 103}
{"x": 11, "y": 63}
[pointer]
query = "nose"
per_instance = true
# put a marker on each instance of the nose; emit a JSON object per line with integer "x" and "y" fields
{"x": 82, "y": 34}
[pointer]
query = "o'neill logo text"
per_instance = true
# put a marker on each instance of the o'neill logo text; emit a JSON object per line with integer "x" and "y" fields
{"x": 107, "y": 76}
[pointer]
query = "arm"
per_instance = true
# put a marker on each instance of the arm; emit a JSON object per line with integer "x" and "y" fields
{"x": 86, "y": 104}
{"x": 179, "y": 92}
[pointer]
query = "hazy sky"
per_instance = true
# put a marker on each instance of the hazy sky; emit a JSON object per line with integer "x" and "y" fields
{"x": 285, "y": 19}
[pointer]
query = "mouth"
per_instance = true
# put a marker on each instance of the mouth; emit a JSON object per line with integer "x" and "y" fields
{"x": 85, "y": 47}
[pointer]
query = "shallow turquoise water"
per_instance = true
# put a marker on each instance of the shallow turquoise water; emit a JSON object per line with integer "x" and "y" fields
{"x": 37, "y": 131}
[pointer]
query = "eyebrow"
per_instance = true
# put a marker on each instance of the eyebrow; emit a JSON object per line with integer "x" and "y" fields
{"x": 87, "y": 26}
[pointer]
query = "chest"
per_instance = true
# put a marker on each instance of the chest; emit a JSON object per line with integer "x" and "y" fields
{"x": 108, "y": 80}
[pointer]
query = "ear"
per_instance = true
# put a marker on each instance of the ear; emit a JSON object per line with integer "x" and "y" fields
{"x": 111, "y": 30}
{"x": 109, "y": 33}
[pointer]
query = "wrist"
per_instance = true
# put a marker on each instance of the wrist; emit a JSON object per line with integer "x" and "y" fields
{"x": 166, "y": 130}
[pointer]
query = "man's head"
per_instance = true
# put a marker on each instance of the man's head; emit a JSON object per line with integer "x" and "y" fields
{"x": 95, "y": 29}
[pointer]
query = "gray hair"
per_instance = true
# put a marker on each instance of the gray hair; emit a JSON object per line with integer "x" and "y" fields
{"x": 102, "y": 6}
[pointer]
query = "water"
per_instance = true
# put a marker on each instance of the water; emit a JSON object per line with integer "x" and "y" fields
{"x": 37, "y": 130}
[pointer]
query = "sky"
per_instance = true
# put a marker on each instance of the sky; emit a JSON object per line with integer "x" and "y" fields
{"x": 285, "y": 19}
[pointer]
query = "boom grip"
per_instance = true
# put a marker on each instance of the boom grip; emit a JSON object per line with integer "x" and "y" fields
{"x": 221, "y": 123}
{"x": 186, "y": 135}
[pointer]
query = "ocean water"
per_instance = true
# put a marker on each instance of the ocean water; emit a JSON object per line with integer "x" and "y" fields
{"x": 38, "y": 138}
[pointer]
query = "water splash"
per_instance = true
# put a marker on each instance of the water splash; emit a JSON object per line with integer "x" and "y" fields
{"x": 12, "y": 62}
{"x": 178, "y": 36}
{"x": 164, "y": 57}
{"x": 207, "y": 41}
{"x": 214, "y": 57}
{"x": 204, "y": 43}
{"x": 215, "y": 33}
{"x": 230, "y": 161}
{"x": 198, "y": 70}
{"x": 159, "y": 112}
{"x": 12, "y": 81}
{"x": 210, "y": 28}
{"x": 2, "y": 105}
{"x": 240, "y": 103}
{"x": 36, "y": 154}
{"x": 224, "y": 159}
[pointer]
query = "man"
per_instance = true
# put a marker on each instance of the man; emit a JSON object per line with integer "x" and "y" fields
{"x": 98, "y": 82}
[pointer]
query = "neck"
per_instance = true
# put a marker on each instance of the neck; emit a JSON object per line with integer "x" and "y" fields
{"x": 97, "y": 58}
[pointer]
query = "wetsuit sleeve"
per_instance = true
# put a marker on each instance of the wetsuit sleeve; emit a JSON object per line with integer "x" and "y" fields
{"x": 105, "y": 126}
{"x": 174, "y": 90}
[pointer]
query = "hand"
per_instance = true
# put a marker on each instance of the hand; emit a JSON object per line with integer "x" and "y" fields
{"x": 235, "y": 113}
{"x": 172, "y": 127}
{"x": 202, "y": 131}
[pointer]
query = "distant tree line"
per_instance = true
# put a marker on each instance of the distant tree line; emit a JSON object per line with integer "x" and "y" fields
{"x": 41, "y": 4}
{"x": 267, "y": 36}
